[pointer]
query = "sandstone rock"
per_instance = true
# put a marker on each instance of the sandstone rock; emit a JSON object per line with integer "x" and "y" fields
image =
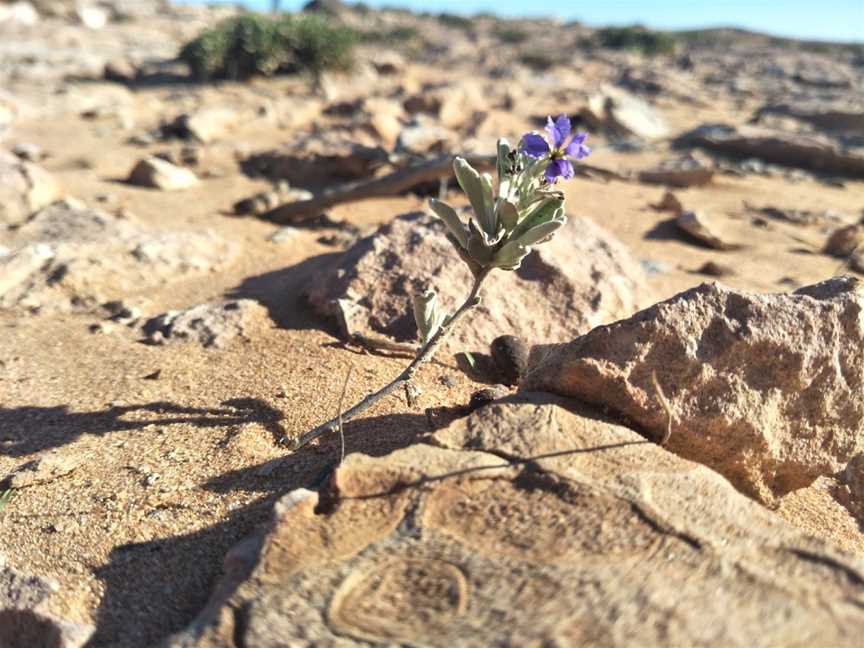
{"x": 157, "y": 173}
{"x": 585, "y": 535}
{"x": 24, "y": 188}
{"x": 669, "y": 202}
{"x": 699, "y": 227}
{"x": 830, "y": 118}
{"x": 205, "y": 124}
{"x": 210, "y": 325}
{"x": 24, "y": 623}
{"x": 621, "y": 114}
{"x": 763, "y": 388}
{"x": 581, "y": 278}
{"x": 853, "y": 478}
{"x": 687, "y": 171}
{"x": 322, "y": 163}
{"x": 68, "y": 254}
{"x": 790, "y": 149}
{"x": 844, "y": 241}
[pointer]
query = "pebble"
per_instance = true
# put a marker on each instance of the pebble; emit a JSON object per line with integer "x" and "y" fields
{"x": 510, "y": 355}
{"x": 483, "y": 397}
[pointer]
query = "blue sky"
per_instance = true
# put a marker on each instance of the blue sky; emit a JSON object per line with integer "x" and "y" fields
{"x": 826, "y": 19}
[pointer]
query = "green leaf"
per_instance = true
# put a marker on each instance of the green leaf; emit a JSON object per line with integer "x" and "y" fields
{"x": 469, "y": 180}
{"x": 549, "y": 209}
{"x": 478, "y": 247}
{"x": 508, "y": 215}
{"x": 427, "y": 314}
{"x": 446, "y": 213}
{"x": 490, "y": 224}
{"x": 539, "y": 233}
{"x": 510, "y": 256}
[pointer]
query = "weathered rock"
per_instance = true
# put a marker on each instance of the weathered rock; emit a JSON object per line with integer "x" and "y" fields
{"x": 763, "y": 388}
{"x": 317, "y": 168}
{"x": 24, "y": 623}
{"x": 790, "y": 149}
{"x": 581, "y": 278}
{"x": 830, "y": 118}
{"x": 853, "y": 478}
{"x": 585, "y": 535}
{"x": 621, "y": 114}
{"x": 46, "y": 468}
{"x": 210, "y": 325}
{"x": 687, "y": 171}
{"x": 157, "y": 173}
{"x": 68, "y": 254}
{"x": 844, "y": 241}
{"x": 423, "y": 135}
{"x": 698, "y": 227}
{"x": 205, "y": 125}
{"x": 669, "y": 202}
{"x": 24, "y": 188}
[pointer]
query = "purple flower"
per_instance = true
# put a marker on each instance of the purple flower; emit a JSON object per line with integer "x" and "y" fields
{"x": 561, "y": 153}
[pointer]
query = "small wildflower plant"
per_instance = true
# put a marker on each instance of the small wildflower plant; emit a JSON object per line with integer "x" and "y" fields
{"x": 509, "y": 215}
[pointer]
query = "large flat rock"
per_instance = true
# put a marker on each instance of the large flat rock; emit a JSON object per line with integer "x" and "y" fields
{"x": 555, "y": 528}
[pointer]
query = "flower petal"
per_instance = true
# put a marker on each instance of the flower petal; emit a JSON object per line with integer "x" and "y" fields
{"x": 558, "y": 130}
{"x": 577, "y": 149}
{"x": 559, "y": 169}
{"x": 533, "y": 145}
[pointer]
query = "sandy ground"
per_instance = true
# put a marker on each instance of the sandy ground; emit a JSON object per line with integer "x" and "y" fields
{"x": 178, "y": 467}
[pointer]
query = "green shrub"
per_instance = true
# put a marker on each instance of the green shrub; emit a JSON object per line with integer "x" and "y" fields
{"x": 538, "y": 60}
{"x": 243, "y": 46}
{"x": 455, "y": 21}
{"x": 637, "y": 39}
{"x": 509, "y": 34}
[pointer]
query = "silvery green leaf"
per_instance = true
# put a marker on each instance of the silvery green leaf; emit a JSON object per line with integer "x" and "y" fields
{"x": 479, "y": 248}
{"x": 549, "y": 209}
{"x": 465, "y": 255}
{"x": 510, "y": 256}
{"x": 446, "y": 213}
{"x": 469, "y": 180}
{"x": 539, "y": 233}
{"x": 490, "y": 224}
{"x": 504, "y": 168}
{"x": 508, "y": 215}
{"x": 427, "y": 315}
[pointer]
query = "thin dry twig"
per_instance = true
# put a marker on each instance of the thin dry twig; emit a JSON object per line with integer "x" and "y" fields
{"x": 664, "y": 402}
{"x": 339, "y": 416}
{"x": 395, "y": 183}
{"x": 425, "y": 354}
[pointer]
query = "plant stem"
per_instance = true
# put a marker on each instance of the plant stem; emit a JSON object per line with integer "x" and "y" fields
{"x": 426, "y": 352}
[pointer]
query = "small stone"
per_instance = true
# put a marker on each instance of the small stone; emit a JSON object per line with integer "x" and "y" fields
{"x": 46, "y": 468}
{"x": 283, "y": 234}
{"x": 699, "y": 227}
{"x": 157, "y": 173}
{"x": 669, "y": 202}
{"x": 483, "y": 397}
{"x": 844, "y": 241}
{"x": 29, "y": 152}
{"x": 714, "y": 269}
{"x": 510, "y": 355}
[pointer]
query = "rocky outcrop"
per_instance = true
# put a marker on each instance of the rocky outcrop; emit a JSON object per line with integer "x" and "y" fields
{"x": 581, "y": 278}
{"x": 790, "y": 149}
{"x": 24, "y": 188}
{"x": 530, "y": 524}
{"x": 70, "y": 255}
{"x": 210, "y": 325}
{"x": 763, "y": 388}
